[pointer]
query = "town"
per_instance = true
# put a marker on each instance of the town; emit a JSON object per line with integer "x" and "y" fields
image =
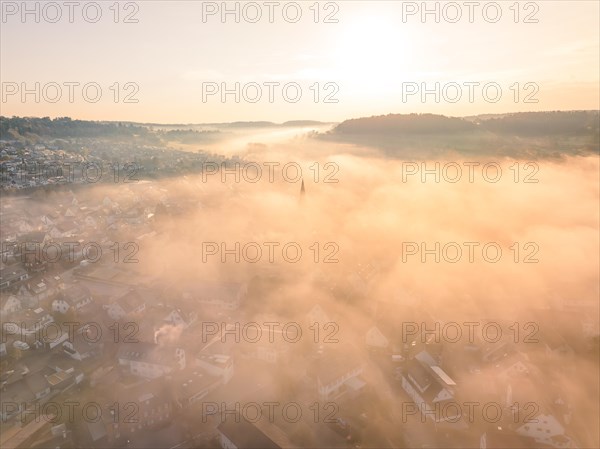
{"x": 99, "y": 350}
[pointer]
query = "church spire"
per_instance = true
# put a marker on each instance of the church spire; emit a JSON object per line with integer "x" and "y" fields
{"x": 302, "y": 192}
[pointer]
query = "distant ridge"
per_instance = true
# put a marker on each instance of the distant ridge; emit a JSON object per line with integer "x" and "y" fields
{"x": 65, "y": 127}
{"x": 243, "y": 124}
{"x": 521, "y": 134}
{"x": 405, "y": 124}
{"x": 520, "y": 123}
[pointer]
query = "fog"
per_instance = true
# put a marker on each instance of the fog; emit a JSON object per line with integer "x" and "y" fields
{"x": 370, "y": 212}
{"x": 376, "y": 223}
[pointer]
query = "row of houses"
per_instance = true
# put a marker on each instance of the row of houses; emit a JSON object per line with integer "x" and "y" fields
{"x": 436, "y": 375}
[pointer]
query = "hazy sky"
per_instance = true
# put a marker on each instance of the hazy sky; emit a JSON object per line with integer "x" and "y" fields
{"x": 367, "y": 55}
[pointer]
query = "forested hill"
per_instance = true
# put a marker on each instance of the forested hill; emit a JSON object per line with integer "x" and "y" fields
{"x": 34, "y": 129}
{"x": 527, "y": 134}
{"x": 405, "y": 124}
{"x": 519, "y": 124}
{"x": 64, "y": 127}
{"x": 545, "y": 123}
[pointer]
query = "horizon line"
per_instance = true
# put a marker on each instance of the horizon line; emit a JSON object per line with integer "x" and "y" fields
{"x": 270, "y": 123}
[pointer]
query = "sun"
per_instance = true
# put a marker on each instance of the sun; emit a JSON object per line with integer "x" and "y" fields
{"x": 372, "y": 52}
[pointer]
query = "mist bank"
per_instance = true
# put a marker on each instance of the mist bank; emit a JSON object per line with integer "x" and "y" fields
{"x": 23, "y": 128}
{"x": 373, "y": 242}
{"x": 530, "y": 135}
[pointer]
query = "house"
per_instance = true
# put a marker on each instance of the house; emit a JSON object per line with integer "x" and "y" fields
{"x": 150, "y": 360}
{"x": 546, "y": 429}
{"x": 430, "y": 388}
{"x": 21, "y": 394}
{"x": 130, "y": 411}
{"x": 38, "y": 384}
{"x": 64, "y": 228}
{"x": 337, "y": 372}
{"x": 61, "y": 380}
{"x": 59, "y": 363}
{"x": 73, "y": 297}
{"x": 97, "y": 325}
{"x": 12, "y": 275}
{"x": 514, "y": 365}
{"x": 36, "y": 290}
{"x": 220, "y": 365}
{"x": 227, "y": 295}
{"x": 90, "y": 222}
{"x": 268, "y": 348}
{"x": 241, "y": 434}
{"x": 81, "y": 348}
{"x": 9, "y": 304}
{"x": 33, "y": 241}
{"x": 129, "y": 305}
{"x": 31, "y": 250}
{"x": 546, "y": 422}
{"x": 48, "y": 220}
{"x": 181, "y": 317}
{"x": 70, "y": 212}
{"x": 133, "y": 216}
{"x": 192, "y": 384}
{"x": 29, "y": 321}
{"x": 496, "y": 351}
{"x": 15, "y": 397}
{"x": 53, "y": 338}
